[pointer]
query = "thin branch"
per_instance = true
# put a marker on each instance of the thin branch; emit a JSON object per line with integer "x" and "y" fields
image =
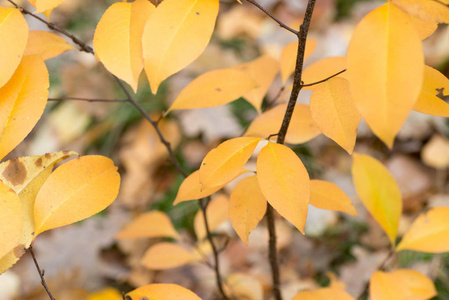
{"x": 203, "y": 204}
{"x": 324, "y": 80}
{"x": 379, "y": 268}
{"x": 41, "y": 273}
{"x": 83, "y": 46}
{"x": 87, "y": 100}
{"x": 273, "y": 254}
{"x": 275, "y": 98}
{"x": 282, "y": 24}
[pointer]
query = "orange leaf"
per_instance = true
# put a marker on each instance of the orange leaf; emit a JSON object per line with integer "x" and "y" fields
{"x": 162, "y": 291}
{"x": 428, "y": 102}
{"x": 217, "y": 213}
{"x": 245, "y": 287}
{"x": 323, "y": 69}
{"x": 334, "y": 112}
{"x": 46, "y": 44}
{"x": 149, "y": 225}
{"x": 247, "y": 207}
{"x": 385, "y": 84}
{"x": 430, "y": 11}
{"x": 214, "y": 88}
{"x": 429, "y": 232}
{"x": 14, "y": 30}
{"x": 225, "y": 162}
{"x": 285, "y": 183}
{"x": 166, "y": 256}
{"x": 23, "y": 100}
{"x": 323, "y": 294}
{"x": 327, "y": 195}
{"x": 424, "y": 28}
{"x": 118, "y": 39}
{"x": 435, "y": 152}
{"x": 45, "y": 5}
{"x": 175, "y": 35}
{"x": 302, "y": 128}
{"x": 263, "y": 70}
{"x": 11, "y": 219}
{"x": 379, "y": 193}
{"x": 288, "y": 57}
{"x": 76, "y": 190}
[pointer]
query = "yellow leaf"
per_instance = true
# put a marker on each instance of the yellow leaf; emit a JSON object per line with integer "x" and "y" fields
{"x": 244, "y": 287}
{"x": 335, "y": 283}
{"x": 23, "y": 100}
{"x": 217, "y": 213}
{"x": 385, "y": 84}
{"x": 263, "y": 70}
{"x": 26, "y": 175}
{"x": 401, "y": 284}
{"x": 247, "y": 207}
{"x": 11, "y": 219}
{"x": 323, "y": 294}
{"x": 334, "y": 112}
{"x": 118, "y": 39}
{"x": 327, "y": 195}
{"x": 166, "y": 256}
{"x": 285, "y": 183}
{"x": 46, "y": 44}
{"x": 14, "y": 30}
{"x": 302, "y": 128}
{"x": 76, "y": 190}
{"x": 379, "y": 193}
{"x": 191, "y": 189}
{"x": 162, "y": 291}
{"x": 288, "y": 57}
{"x": 428, "y": 102}
{"x": 45, "y": 5}
{"x": 424, "y": 28}
{"x": 106, "y": 294}
{"x": 429, "y": 232}
{"x": 323, "y": 69}
{"x": 436, "y": 152}
{"x": 214, "y": 88}
{"x": 427, "y": 10}
{"x": 175, "y": 35}
{"x": 225, "y": 162}
{"x": 149, "y": 225}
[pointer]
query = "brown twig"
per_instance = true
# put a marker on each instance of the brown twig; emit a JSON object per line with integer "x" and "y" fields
{"x": 324, "y": 80}
{"x": 203, "y": 204}
{"x": 87, "y": 100}
{"x": 41, "y": 273}
{"x": 282, "y": 24}
{"x": 275, "y": 99}
{"x": 379, "y": 268}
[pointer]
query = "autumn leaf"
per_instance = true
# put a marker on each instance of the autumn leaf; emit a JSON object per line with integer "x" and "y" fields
{"x": 247, "y": 207}
{"x": 23, "y": 100}
{"x": 401, "y": 284}
{"x": 379, "y": 193}
{"x": 323, "y": 69}
{"x": 76, "y": 190}
{"x": 302, "y": 128}
{"x": 26, "y": 175}
{"x": 46, "y": 5}
{"x": 430, "y": 11}
{"x": 214, "y": 88}
{"x": 175, "y": 35}
{"x": 334, "y": 112}
{"x": 166, "y": 256}
{"x": 242, "y": 286}
{"x": 14, "y": 29}
{"x": 323, "y": 294}
{"x": 11, "y": 219}
{"x": 385, "y": 84}
{"x": 428, "y": 102}
{"x": 217, "y": 213}
{"x": 424, "y": 28}
{"x": 429, "y": 232}
{"x": 263, "y": 71}
{"x": 435, "y": 152}
{"x": 284, "y": 182}
{"x": 225, "y": 162}
{"x": 162, "y": 291}
{"x": 327, "y": 195}
{"x": 118, "y": 39}
{"x": 106, "y": 294}
{"x": 149, "y": 225}
{"x": 46, "y": 44}
{"x": 288, "y": 57}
